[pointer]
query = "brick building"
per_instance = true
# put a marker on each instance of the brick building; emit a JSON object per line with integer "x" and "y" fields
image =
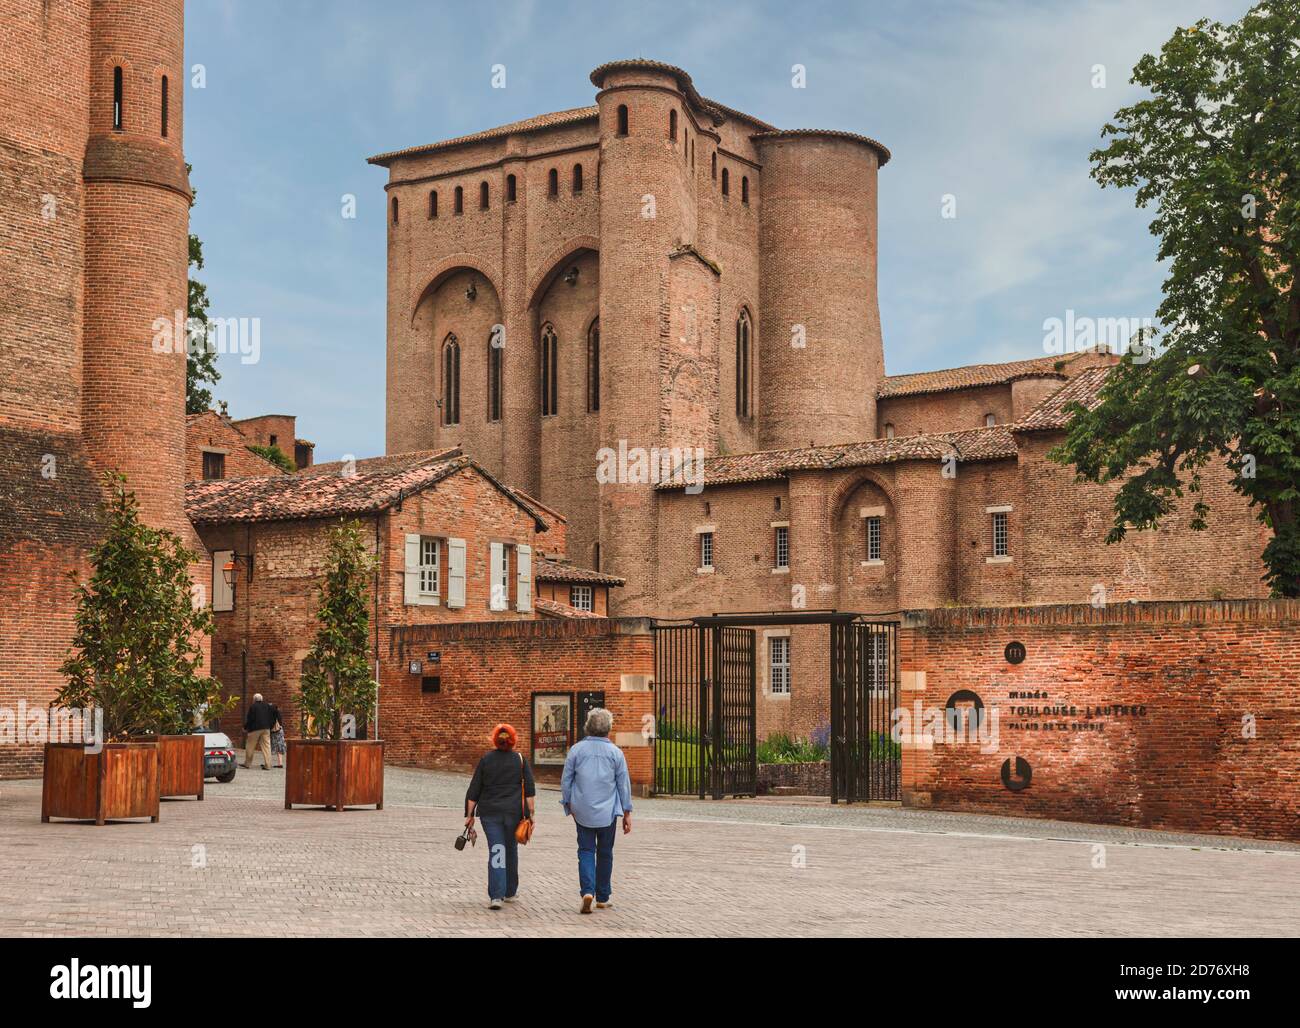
{"x": 662, "y": 271}
{"x": 94, "y": 200}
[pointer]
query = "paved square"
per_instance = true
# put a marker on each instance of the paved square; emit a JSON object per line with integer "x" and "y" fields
{"x": 689, "y": 868}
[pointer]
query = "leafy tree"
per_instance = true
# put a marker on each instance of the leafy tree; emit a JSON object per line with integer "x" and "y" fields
{"x": 201, "y": 364}
{"x": 337, "y": 678}
{"x": 1216, "y": 148}
{"x": 137, "y": 653}
{"x": 276, "y": 456}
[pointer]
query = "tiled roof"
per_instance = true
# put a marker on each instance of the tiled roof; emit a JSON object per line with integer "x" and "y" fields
{"x": 881, "y": 149}
{"x": 683, "y": 80}
{"x": 973, "y": 375}
{"x": 546, "y": 570}
{"x": 993, "y": 443}
{"x": 323, "y": 491}
{"x": 555, "y": 609}
{"x": 536, "y": 124}
{"x": 1050, "y": 414}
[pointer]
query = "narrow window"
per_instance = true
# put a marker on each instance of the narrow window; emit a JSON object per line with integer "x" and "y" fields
{"x": 1000, "y": 541}
{"x": 743, "y": 359}
{"x": 672, "y": 125}
{"x": 494, "y": 377}
{"x": 164, "y": 107}
{"x": 706, "y": 550}
{"x": 580, "y": 597}
{"x": 726, "y": 182}
{"x": 577, "y": 179}
{"x": 781, "y": 547}
{"x": 713, "y": 169}
{"x": 990, "y": 420}
{"x": 394, "y": 210}
{"x": 593, "y": 366}
{"x": 459, "y": 207}
{"x": 550, "y": 368}
{"x": 779, "y": 655}
{"x": 595, "y": 557}
{"x": 744, "y": 189}
{"x": 451, "y": 381}
{"x": 482, "y": 196}
{"x": 433, "y": 203}
{"x": 117, "y": 98}
{"x": 622, "y": 119}
{"x": 873, "y": 539}
{"x": 889, "y": 430}
{"x": 510, "y": 189}
{"x": 553, "y": 183}
{"x": 214, "y": 465}
{"x": 429, "y": 566}
{"x": 500, "y": 561}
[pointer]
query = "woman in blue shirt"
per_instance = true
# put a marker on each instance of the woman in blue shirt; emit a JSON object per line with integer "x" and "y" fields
{"x": 596, "y": 791}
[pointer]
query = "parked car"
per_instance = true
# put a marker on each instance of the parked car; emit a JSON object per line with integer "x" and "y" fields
{"x": 219, "y": 759}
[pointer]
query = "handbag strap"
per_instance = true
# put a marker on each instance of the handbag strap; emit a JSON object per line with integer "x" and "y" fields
{"x": 523, "y": 788}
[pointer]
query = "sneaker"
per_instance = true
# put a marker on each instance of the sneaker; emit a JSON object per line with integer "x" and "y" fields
{"x": 494, "y": 905}
{"x": 586, "y": 903}
{"x": 511, "y": 899}
{"x": 604, "y": 905}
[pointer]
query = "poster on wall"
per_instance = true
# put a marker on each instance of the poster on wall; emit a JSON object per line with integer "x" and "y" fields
{"x": 552, "y": 726}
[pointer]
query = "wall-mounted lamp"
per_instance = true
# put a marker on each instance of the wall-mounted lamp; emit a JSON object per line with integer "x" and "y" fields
{"x": 228, "y": 569}
{"x": 571, "y": 276}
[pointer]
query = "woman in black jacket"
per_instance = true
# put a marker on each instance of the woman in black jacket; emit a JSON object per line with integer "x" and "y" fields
{"x": 502, "y": 794}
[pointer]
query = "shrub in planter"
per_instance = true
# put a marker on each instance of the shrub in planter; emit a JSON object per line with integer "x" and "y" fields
{"x": 137, "y": 662}
{"x": 339, "y": 693}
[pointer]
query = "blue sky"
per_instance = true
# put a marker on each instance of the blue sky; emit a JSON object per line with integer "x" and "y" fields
{"x": 991, "y": 101}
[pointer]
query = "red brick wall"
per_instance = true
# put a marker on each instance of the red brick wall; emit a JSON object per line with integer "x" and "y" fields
{"x": 488, "y": 673}
{"x": 210, "y": 431}
{"x": 1186, "y": 677}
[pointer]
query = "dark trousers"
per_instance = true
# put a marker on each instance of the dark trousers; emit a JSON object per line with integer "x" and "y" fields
{"x": 596, "y": 860}
{"x": 503, "y": 854}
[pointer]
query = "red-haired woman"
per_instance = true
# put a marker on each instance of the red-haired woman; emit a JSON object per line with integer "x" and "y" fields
{"x": 502, "y": 794}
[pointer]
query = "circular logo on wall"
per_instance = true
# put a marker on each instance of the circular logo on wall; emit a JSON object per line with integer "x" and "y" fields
{"x": 1020, "y": 779}
{"x": 1015, "y": 652}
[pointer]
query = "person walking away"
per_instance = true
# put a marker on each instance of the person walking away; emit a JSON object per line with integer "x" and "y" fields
{"x": 501, "y": 793}
{"x": 278, "y": 746}
{"x": 258, "y": 723}
{"x": 596, "y": 791}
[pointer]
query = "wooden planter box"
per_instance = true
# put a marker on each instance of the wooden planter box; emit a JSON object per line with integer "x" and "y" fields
{"x": 334, "y": 775}
{"x": 118, "y": 782}
{"x": 180, "y": 764}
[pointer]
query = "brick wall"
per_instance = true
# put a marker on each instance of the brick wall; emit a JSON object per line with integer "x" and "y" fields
{"x": 1139, "y": 714}
{"x": 488, "y": 672}
{"x": 210, "y": 431}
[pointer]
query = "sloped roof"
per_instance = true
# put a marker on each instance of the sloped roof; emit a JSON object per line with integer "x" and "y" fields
{"x": 542, "y": 121}
{"x": 1050, "y": 414}
{"x": 193, "y": 422}
{"x": 973, "y": 375}
{"x": 324, "y": 491}
{"x": 547, "y": 570}
{"x": 555, "y": 609}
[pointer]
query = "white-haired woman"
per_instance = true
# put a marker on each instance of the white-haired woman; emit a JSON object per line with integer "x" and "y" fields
{"x": 596, "y": 791}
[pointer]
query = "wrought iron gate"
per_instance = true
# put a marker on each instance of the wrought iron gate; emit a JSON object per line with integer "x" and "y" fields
{"x": 866, "y": 761}
{"x": 704, "y": 741}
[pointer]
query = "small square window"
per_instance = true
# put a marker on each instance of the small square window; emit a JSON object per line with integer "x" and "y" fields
{"x": 580, "y": 597}
{"x": 214, "y": 465}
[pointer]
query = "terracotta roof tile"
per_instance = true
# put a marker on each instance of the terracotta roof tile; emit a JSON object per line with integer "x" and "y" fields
{"x": 547, "y": 570}
{"x": 1050, "y": 414}
{"x": 973, "y": 375}
{"x": 535, "y": 124}
{"x": 882, "y": 151}
{"x": 555, "y": 609}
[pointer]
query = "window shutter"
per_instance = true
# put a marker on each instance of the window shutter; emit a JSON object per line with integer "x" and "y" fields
{"x": 223, "y": 596}
{"x": 524, "y": 578}
{"x": 455, "y": 572}
{"x": 411, "y": 572}
{"x": 499, "y": 598}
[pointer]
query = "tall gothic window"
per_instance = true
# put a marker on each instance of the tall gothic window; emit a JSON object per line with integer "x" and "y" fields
{"x": 550, "y": 361}
{"x": 593, "y": 366}
{"x": 744, "y": 335}
{"x": 450, "y": 381}
{"x": 494, "y": 376}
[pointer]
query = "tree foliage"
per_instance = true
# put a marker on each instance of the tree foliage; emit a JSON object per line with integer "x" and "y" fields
{"x": 137, "y": 652}
{"x": 337, "y": 679}
{"x": 201, "y": 362}
{"x": 276, "y": 456}
{"x": 1215, "y": 147}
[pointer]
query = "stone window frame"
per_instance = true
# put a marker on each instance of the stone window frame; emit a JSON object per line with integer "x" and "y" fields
{"x": 780, "y": 541}
{"x": 999, "y": 514}
{"x": 867, "y": 516}
{"x": 769, "y": 664}
{"x": 701, "y": 533}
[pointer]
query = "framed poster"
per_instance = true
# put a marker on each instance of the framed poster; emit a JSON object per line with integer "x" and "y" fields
{"x": 552, "y": 726}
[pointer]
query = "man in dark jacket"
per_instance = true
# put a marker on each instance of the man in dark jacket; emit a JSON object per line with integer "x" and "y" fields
{"x": 258, "y": 724}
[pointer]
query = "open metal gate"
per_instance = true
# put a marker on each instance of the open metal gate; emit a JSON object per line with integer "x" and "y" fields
{"x": 866, "y": 760}
{"x": 704, "y": 741}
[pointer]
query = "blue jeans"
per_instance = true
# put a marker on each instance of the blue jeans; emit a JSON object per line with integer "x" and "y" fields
{"x": 503, "y": 854}
{"x": 596, "y": 860}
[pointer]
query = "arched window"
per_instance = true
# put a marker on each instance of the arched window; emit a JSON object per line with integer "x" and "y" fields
{"x": 510, "y": 189}
{"x": 672, "y": 124}
{"x": 163, "y": 106}
{"x": 593, "y": 366}
{"x": 744, "y": 189}
{"x": 550, "y": 362}
{"x": 726, "y": 182}
{"x": 713, "y": 169}
{"x": 494, "y": 375}
{"x": 450, "y": 381}
{"x": 577, "y": 178}
{"x": 433, "y": 203}
{"x": 459, "y": 207}
{"x": 482, "y": 196}
{"x": 744, "y": 336}
{"x": 117, "y": 98}
{"x": 394, "y": 210}
{"x": 622, "y": 119}
{"x": 553, "y": 183}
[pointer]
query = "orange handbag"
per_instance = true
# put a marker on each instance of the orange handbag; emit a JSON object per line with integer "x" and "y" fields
{"x": 524, "y": 830}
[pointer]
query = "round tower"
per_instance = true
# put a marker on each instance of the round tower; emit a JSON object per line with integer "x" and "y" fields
{"x": 819, "y": 335}
{"x": 137, "y": 200}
